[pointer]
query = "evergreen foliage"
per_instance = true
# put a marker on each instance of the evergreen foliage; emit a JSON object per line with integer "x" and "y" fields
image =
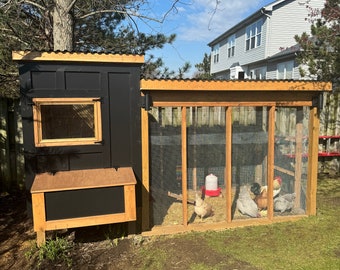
{"x": 320, "y": 50}
{"x": 98, "y": 26}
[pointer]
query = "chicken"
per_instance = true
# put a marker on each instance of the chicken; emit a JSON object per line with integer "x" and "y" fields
{"x": 261, "y": 193}
{"x": 245, "y": 204}
{"x": 256, "y": 188}
{"x": 277, "y": 183}
{"x": 202, "y": 208}
{"x": 261, "y": 200}
{"x": 284, "y": 202}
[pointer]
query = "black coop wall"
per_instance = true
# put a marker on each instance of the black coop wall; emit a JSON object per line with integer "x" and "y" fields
{"x": 117, "y": 87}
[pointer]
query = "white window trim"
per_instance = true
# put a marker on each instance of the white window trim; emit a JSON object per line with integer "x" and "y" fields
{"x": 216, "y": 53}
{"x": 231, "y": 46}
{"x": 285, "y": 66}
{"x": 252, "y": 31}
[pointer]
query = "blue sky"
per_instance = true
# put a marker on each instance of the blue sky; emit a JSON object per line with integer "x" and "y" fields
{"x": 196, "y": 23}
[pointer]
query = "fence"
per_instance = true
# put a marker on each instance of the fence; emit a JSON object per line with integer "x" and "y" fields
{"x": 11, "y": 136}
{"x": 11, "y": 145}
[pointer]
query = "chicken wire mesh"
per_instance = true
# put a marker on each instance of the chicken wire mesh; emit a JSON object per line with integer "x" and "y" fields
{"x": 206, "y": 153}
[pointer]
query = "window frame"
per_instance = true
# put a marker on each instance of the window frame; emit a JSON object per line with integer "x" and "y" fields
{"x": 253, "y": 35}
{"x": 231, "y": 46}
{"x": 37, "y": 123}
{"x": 216, "y": 53}
{"x": 285, "y": 66}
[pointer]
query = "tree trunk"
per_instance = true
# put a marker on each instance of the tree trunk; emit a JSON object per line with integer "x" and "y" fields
{"x": 62, "y": 26}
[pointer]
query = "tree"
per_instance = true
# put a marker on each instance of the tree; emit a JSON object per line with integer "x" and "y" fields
{"x": 72, "y": 25}
{"x": 320, "y": 49}
{"x": 203, "y": 69}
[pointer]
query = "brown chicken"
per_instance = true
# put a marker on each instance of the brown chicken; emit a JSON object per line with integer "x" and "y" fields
{"x": 202, "y": 208}
{"x": 261, "y": 200}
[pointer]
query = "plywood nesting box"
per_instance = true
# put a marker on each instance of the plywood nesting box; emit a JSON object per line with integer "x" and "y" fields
{"x": 81, "y": 125}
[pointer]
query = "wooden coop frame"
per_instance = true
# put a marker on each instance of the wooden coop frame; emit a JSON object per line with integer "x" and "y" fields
{"x": 229, "y": 94}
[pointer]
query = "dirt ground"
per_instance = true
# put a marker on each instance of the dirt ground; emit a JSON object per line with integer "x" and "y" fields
{"x": 91, "y": 247}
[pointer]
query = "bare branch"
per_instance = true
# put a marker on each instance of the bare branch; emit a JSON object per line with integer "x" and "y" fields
{"x": 173, "y": 6}
{"x": 70, "y": 6}
{"x": 214, "y": 11}
{"x": 33, "y": 4}
{"x": 121, "y": 12}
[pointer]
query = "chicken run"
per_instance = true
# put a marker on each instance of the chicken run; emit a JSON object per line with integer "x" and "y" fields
{"x": 206, "y": 152}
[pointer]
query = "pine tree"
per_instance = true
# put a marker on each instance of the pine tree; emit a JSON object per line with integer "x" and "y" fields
{"x": 320, "y": 50}
{"x": 71, "y": 25}
{"x": 203, "y": 69}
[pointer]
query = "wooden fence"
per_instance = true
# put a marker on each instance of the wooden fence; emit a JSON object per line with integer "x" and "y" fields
{"x": 11, "y": 137}
{"x": 11, "y": 146}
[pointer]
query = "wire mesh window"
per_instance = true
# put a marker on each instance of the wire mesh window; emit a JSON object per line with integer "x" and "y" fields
{"x": 66, "y": 121}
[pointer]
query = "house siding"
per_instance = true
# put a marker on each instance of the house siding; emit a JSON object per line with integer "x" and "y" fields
{"x": 282, "y": 20}
{"x": 287, "y": 20}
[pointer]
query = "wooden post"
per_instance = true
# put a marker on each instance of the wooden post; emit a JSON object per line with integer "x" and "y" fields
{"x": 228, "y": 165}
{"x": 145, "y": 171}
{"x": 39, "y": 217}
{"x": 313, "y": 144}
{"x": 298, "y": 155}
{"x": 184, "y": 166}
{"x": 270, "y": 161}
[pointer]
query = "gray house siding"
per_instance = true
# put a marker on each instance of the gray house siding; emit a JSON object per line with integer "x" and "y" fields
{"x": 288, "y": 19}
{"x": 282, "y": 20}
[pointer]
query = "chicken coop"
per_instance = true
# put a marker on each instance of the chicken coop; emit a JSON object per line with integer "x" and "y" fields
{"x": 81, "y": 125}
{"x": 248, "y": 148}
{"x": 103, "y": 146}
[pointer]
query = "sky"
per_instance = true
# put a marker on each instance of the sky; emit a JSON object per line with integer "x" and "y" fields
{"x": 195, "y": 23}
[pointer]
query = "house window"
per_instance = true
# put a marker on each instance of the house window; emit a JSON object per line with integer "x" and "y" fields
{"x": 285, "y": 70}
{"x": 231, "y": 46}
{"x": 216, "y": 53}
{"x": 253, "y": 35}
{"x": 66, "y": 121}
{"x": 258, "y": 74}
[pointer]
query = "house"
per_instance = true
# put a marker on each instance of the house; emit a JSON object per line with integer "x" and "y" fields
{"x": 262, "y": 46}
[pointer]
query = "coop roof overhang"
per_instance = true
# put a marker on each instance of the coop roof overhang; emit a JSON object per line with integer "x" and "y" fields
{"x": 77, "y": 57}
{"x": 233, "y": 93}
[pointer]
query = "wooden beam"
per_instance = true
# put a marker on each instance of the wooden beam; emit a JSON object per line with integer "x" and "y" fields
{"x": 39, "y": 217}
{"x": 184, "y": 166}
{"x": 313, "y": 145}
{"x": 298, "y": 156}
{"x": 145, "y": 171}
{"x": 235, "y": 85}
{"x": 228, "y": 160}
{"x": 270, "y": 161}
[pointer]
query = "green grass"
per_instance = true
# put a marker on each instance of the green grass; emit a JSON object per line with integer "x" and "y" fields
{"x": 310, "y": 243}
{"x": 53, "y": 250}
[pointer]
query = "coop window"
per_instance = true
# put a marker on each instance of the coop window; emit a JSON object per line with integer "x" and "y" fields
{"x": 66, "y": 121}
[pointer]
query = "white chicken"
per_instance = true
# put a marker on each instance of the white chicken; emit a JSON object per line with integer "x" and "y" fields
{"x": 245, "y": 204}
{"x": 276, "y": 186}
{"x": 202, "y": 208}
{"x": 284, "y": 202}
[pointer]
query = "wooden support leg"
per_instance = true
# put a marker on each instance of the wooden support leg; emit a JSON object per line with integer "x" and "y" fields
{"x": 41, "y": 238}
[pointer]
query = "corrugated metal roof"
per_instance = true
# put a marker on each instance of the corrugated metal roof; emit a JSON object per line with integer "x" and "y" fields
{"x": 234, "y": 85}
{"x": 103, "y": 57}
